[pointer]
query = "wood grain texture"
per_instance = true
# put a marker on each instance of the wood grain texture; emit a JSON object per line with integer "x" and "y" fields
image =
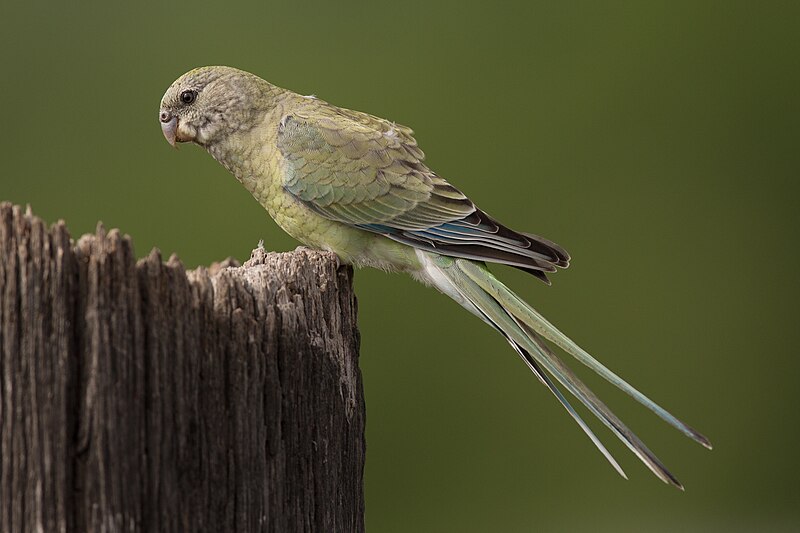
{"x": 137, "y": 396}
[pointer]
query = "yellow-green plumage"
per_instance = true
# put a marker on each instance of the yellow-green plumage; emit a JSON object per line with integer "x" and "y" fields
{"x": 266, "y": 161}
{"x": 357, "y": 185}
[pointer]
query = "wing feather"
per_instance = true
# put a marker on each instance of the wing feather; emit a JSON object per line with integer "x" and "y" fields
{"x": 368, "y": 172}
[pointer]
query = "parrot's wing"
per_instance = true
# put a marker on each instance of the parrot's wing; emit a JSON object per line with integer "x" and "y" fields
{"x": 367, "y": 172}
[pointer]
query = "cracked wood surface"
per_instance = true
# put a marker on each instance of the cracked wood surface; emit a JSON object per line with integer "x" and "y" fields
{"x": 138, "y": 396}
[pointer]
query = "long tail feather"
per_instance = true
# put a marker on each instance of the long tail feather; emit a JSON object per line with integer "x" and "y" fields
{"x": 524, "y": 312}
{"x": 547, "y": 382}
{"x": 475, "y": 288}
{"x": 486, "y": 308}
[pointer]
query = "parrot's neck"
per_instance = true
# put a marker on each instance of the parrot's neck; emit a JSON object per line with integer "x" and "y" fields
{"x": 233, "y": 155}
{"x": 245, "y": 154}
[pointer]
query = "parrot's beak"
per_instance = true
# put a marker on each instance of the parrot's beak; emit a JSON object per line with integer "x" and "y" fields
{"x": 170, "y": 129}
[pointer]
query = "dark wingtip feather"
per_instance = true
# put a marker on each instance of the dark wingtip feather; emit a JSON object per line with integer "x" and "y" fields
{"x": 562, "y": 256}
{"x": 538, "y": 274}
{"x": 479, "y": 237}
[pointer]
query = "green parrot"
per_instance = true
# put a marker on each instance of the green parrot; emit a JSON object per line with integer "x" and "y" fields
{"x": 357, "y": 185}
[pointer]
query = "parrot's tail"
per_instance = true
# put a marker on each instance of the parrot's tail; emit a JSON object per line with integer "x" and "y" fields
{"x": 472, "y": 285}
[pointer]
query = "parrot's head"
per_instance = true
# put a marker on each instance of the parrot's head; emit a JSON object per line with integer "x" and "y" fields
{"x": 207, "y": 104}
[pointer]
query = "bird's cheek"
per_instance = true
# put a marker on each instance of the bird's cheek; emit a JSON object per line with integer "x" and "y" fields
{"x": 185, "y": 132}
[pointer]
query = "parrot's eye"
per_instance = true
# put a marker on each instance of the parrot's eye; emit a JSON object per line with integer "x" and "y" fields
{"x": 187, "y": 97}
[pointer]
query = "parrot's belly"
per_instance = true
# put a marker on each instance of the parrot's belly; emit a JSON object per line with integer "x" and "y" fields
{"x": 261, "y": 172}
{"x": 352, "y": 245}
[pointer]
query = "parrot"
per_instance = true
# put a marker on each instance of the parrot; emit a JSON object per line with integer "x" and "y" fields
{"x": 357, "y": 185}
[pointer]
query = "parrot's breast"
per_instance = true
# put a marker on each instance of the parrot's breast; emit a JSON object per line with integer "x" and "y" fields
{"x": 254, "y": 159}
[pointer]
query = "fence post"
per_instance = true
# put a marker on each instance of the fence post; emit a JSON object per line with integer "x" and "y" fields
{"x": 138, "y": 396}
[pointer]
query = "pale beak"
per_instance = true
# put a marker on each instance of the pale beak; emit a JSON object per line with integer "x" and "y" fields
{"x": 169, "y": 125}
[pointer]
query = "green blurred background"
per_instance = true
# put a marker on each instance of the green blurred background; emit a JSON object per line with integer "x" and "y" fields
{"x": 658, "y": 142}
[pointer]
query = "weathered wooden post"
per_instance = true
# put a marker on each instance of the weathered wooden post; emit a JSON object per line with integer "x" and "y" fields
{"x": 137, "y": 396}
